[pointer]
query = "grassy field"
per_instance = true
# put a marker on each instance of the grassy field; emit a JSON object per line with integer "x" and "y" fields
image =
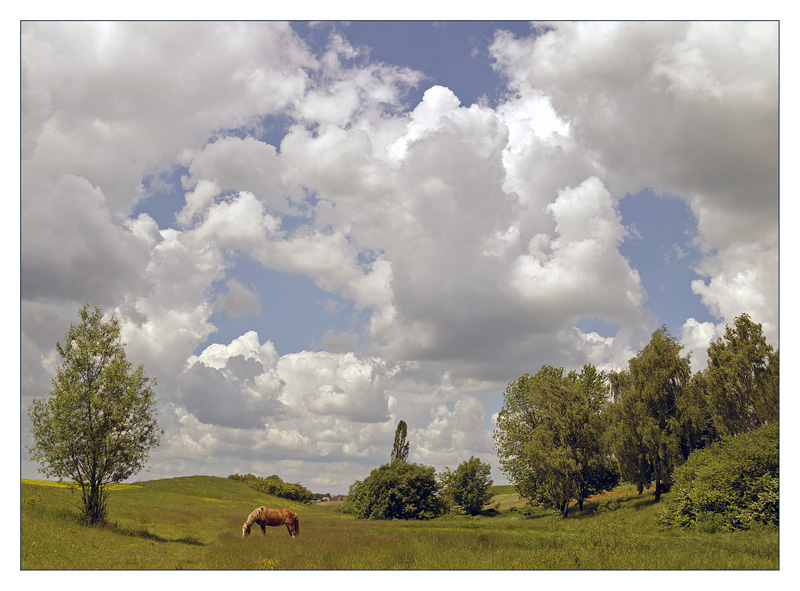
{"x": 194, "y": 523}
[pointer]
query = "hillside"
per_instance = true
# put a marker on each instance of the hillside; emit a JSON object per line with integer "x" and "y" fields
{"x": 195, "y": 523}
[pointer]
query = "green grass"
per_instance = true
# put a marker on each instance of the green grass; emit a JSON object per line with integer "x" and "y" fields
{"x": 194, "y": 523}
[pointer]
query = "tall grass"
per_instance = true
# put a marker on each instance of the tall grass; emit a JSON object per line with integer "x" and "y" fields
{"x": 194, "y": 523}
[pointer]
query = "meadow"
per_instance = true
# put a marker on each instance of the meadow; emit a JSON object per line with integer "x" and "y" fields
{"x": 195, "y": 523}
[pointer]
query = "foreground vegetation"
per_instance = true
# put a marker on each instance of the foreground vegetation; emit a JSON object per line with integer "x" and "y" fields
{"x": 194, "y": 523}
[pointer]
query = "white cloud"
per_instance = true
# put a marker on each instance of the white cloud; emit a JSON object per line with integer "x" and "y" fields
{"x": 103, "y": 112}
{"x": 696, "y": 338}
{"x": 239, "y": 300}
{"x": 581, "y": 269}
{"x": 197, "y": 202}
{"x": 73, "y": 246}
{"x": 713, "y": 142}
{"x": 237, "y": 164}
{"x": 453, "y": 436}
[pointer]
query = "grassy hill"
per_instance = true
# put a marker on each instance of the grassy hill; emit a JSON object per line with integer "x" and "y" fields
{"x": 194, "y": 523}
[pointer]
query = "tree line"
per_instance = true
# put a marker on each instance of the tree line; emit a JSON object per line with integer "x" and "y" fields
{"x": 563, "y": 436}
{"x": 275, "y": 486}
{"x": 560, "y": 435}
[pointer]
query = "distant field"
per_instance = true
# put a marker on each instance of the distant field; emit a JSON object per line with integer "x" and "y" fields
{"x": 194, "y": 523}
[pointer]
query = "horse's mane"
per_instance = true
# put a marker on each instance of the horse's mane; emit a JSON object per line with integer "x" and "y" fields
{"x": 252, "y": 517}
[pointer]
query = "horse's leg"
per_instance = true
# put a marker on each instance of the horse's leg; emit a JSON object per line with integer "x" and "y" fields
{"x": 263, "y": 528}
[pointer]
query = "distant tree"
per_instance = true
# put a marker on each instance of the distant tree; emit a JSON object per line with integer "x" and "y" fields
{"x": 468, "y": 486}
{"x": 400, "y": 447}
{"x": 742, "y": 378}
{"x": 274, "y": 485}
{"x": 398, "y": 490}
{"x": 97, "y": 426}
{"x": 650, "y": 412}
{"x": 551, "y": 439}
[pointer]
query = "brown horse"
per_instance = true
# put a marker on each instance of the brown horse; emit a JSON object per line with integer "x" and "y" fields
{"x": 273, "y": 517}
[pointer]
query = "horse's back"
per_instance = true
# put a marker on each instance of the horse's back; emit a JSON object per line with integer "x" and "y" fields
{"x": 288, "y": 515}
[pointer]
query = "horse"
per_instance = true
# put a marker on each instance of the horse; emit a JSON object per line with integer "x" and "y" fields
{"x": 272, "y": 517}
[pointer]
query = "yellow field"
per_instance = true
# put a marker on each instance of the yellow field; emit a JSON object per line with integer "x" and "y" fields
{"x": 73, "y": 485}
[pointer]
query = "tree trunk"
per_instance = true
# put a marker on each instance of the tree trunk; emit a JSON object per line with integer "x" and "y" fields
{"x": 566, "y": 508}
{"x": 94, "y": 505}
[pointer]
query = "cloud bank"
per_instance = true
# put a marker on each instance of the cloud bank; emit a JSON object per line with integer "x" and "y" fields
{"x": 469, "y": 240}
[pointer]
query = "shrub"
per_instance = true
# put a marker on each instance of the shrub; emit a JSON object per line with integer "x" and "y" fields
{"x": 468, "y": 487}
{"x": 730, "y": 485}
{"x": 399, "y": 490}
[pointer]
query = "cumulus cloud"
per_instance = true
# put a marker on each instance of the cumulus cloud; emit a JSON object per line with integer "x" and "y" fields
{"x": 239, "y": 300}
{"x": 715, "y": 143}
{"x": 454, "y": 435}
{"x": 93, "y": 99}
{"x": 73, "y": 246}
{"x": 468, "y": 240}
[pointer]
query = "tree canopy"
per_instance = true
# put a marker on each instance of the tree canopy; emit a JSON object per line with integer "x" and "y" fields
{"x": 649, "y": 426}
{"x": 468, "y": 486}
{"x": 550, "y": 436}
{"x": 742, "y": 378}
{"x": 98, "y": 425}
{"x": 398, "y": 490}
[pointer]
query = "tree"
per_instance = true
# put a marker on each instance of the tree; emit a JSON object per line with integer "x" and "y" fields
{"x": 398, "y": 490}
{"x": 468, "y": 486}
{"x": 742, "y": 378}
{"x": 550, "y": 436}
{"x": 598, "y": 471}
{"x": 400, "y": 447}
{"x": 97, "y": 426}
{"x": 650, "y": 427}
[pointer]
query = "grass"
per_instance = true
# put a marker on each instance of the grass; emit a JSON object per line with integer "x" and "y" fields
{"x": 194, "y": 523}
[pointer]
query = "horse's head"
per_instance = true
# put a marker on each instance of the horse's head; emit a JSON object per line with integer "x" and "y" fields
{"x": 245, "y": 530}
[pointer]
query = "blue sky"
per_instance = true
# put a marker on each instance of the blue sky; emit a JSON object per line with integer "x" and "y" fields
{"x": 313, "y": 230}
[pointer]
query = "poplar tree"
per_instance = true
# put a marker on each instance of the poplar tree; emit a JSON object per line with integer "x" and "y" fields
{"x": 97, "y": 426}
{"x": 651, "y": 409}
{"x": 400, "y": 447}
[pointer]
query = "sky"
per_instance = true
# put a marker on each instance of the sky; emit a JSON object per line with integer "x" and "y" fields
{"x": 312, "y": 230}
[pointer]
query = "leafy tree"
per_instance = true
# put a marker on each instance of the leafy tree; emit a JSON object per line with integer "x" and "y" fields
{"x": 650, "y": 410}
{"x": 468, "y": 486}
{"x": 730, "y": 485}
{"x": 98, "y": 424}
{"x": 400, "y": 447}
{"x": 598, "y": 471}
{"x": 550, "y": 436}
{"x": 398, "y": 490}
{"x": 742, "y": 378}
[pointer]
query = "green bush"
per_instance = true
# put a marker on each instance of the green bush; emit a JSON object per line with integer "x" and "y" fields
{"x": 468, "y": 487}
{"x": 730, "y": 485}
{"x": 399, "y": 490}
